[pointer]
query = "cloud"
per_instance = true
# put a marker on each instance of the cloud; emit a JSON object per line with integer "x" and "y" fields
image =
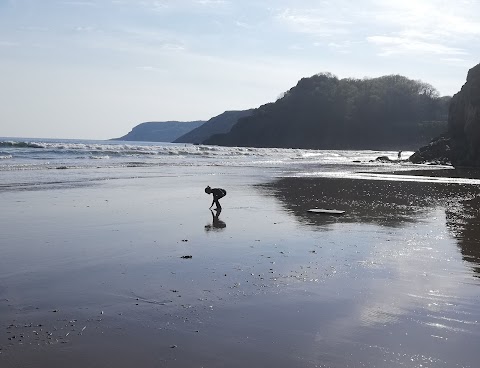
{"x": 458, "y": 62}
{"x": 86, "y": 29}
{"x": 341, "y": 47}
{"x": 80, "y": 3}
{"x": 427, "y": 20}
{"x": 211, "y": 2}
{"x": 391, "y": 45}
{"x": 130, "y": 40}
{"x": 179, "y": 5}
{"x": 243, "y": 25}
{"x": 430, "y": 27}
{"x": 155, "y": 5}
{"x": 8, "y": 44}
{"x": 311, "y": 21}
{"x": 149, "y": 68}
{"x": 454, "y": 60}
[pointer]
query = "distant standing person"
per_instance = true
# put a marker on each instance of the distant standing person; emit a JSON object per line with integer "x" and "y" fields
{"x": 399, "y": 155}
{"x": 217, "y": 194}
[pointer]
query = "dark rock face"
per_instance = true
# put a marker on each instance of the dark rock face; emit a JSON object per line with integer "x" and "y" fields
{"x": 460, "y": 146}
{"x": 464, "y": 122}
{"x": 437, "y": 152}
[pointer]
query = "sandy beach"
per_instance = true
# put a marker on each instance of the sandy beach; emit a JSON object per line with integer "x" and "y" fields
{"x": 138, "y": 271}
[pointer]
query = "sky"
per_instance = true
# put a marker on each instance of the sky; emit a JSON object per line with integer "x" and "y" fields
{"x": 94, "y": 69}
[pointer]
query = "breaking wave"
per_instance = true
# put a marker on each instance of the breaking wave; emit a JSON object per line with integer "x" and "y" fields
{"x": 27, "y": 154}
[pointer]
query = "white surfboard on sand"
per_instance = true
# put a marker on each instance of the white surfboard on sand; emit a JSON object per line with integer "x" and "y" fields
{"x": 326, "y": 211}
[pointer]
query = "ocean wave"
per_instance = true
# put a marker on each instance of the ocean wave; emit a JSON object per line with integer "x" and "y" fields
{"x": 8, "y": 144}
{"x": 84, "y": 153}
{"x": 87, "y": 149}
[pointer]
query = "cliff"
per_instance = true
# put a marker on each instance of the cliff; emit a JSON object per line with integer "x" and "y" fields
{"x": 324, "y": 112}
{"x": 460, "y": 145}
{"x": 166, "y": 131}
{"x": 216, "y": 125}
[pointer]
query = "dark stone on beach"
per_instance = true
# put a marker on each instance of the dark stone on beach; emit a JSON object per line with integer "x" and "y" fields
{"x": 383, "y": 159}
{"x": 186, "y": 257}
{"x": 387, "y": 159}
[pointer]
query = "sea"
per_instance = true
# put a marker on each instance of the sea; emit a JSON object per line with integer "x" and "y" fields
{"x": 33, "y": 163}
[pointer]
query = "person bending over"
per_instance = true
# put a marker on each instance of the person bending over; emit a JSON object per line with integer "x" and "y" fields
{"x": 217, "y": 194}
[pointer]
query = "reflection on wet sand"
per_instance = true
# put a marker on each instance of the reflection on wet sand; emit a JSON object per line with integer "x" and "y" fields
{"x": 217, "y": 224}
{"x": 410, "y": 299}
{"x": 390, "y": 204}
{"x": 463, "y": 221}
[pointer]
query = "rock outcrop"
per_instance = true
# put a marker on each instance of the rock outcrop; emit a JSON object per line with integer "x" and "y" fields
{"x": 436, "y": 152}
{"x": 464, "y": 122}
{"x": 460, "y": 146}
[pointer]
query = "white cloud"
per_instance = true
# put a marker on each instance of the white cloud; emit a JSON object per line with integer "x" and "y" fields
{"x": 155, "y": 5}
{"x": 8, "y": 44}
{"x": 211, "y": 2}
{"x": 427, "y": 20}
{"x": 85, "y": 29}
{"x": 311, "y": 21}
{"x": 134, "y": 41}
{"x": 148, "y": 68}
{"x": 458, "y": 62}
{"x": 341, "y": 47}
{"x": 400, "y": 45}
{"x": 80, "y": 3}
{"x": 454, "y": 60}
{"x": 243, "y": 25}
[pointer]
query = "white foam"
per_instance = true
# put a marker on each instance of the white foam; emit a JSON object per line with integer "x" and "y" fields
{"x": 388, "y": 177}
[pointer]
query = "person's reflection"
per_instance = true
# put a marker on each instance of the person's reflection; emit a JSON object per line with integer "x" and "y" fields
{"x": 216, "y": 224}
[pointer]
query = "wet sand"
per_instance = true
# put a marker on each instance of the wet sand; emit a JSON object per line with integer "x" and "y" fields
{"x": 94, "y": 275}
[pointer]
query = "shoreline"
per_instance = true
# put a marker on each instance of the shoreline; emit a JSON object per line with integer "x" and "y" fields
{"x": 464, "y": 173}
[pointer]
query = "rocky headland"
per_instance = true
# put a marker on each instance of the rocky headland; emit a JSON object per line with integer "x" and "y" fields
{"x": 160, "y": 131}
{"x": 460, "y": 145}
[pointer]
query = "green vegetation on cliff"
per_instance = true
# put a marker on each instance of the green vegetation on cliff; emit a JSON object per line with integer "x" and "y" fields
{"x": 324, "y": 112}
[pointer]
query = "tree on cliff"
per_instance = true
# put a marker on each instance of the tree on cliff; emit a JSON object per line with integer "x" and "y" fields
{"x": 326, "y": 112}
